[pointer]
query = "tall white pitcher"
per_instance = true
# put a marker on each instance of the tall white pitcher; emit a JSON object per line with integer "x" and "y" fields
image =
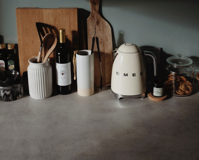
{"x": 83, "y": 62}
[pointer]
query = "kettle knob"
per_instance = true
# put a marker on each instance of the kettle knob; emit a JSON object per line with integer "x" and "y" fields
{"x": 129, "y": 44}
{"x": 128, "y": 48}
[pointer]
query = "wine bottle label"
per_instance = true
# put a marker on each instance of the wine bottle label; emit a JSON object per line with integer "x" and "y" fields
{"x": 63, "y": 74}
{"x": 2, "y": 64}
{"x": 11, "y": 65}
{"x": 158, "y": 92}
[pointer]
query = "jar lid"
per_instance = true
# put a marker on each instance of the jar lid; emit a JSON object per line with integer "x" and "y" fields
{"x": 179, "y": 60}
{"x": 11, "y": 46}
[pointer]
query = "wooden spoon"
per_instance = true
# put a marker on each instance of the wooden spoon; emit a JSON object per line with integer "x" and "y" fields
{"x": 47, "y": 44}
{"x": 47, "y": 38}
{"x": 50, "y": 50}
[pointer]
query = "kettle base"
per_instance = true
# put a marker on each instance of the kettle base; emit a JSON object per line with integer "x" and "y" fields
{"x": 119, "y": 96}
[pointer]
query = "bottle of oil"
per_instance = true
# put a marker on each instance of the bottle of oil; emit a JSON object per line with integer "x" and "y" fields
{"x": 158, "y": 88}
{"x": 2, "y": 57}
{"x": 11, "y": 59}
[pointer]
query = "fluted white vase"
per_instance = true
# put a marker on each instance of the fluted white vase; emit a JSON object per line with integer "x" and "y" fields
{"x": 39, "y": 79}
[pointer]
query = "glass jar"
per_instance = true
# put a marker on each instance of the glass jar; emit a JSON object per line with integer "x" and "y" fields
{"x": 180, "y": 76}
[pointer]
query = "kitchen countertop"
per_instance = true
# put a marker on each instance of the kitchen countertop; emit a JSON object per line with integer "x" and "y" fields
{"x": 99, "y": 127}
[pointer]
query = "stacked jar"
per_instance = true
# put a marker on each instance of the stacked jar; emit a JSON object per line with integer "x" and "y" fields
{"x": 180, "y": 77}
{"x": 197, "y": 77}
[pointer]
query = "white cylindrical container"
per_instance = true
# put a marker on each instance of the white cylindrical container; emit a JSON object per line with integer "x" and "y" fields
{"x": 39, "y": 79}
{"x": 85, "y": 72}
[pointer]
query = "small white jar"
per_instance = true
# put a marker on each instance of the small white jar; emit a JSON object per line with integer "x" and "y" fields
{"x": 39, "y": 79}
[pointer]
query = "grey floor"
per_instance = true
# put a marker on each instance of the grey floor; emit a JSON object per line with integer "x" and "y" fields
{"x": 99, "y": 127}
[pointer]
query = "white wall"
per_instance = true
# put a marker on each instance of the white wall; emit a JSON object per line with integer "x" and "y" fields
{"x": 170, "y": 24}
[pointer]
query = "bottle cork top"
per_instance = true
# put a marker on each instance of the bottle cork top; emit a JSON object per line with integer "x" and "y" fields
{"x": 11, "y": 46}
{"x": 2, "y": 46}
{"x": 62, "y": 35}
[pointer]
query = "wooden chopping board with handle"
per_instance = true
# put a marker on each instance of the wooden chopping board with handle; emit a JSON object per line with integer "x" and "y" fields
{"x": 28, "y": 39}
{"x": 96, "y": 24}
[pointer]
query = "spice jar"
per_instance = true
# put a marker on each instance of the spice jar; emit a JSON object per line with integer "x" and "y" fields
{"x": 180, "y": 76}
{"x": 158, "y": 88}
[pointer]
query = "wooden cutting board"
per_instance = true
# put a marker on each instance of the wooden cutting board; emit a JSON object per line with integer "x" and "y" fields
{"x": 28, "y": 39}
{"x": 104, "y": 34}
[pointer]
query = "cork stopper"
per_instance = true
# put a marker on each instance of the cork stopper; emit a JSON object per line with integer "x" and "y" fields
{"x": 62, "y": 35}
{"x": 11, "y": 46}
{"x": 2, "y": 46}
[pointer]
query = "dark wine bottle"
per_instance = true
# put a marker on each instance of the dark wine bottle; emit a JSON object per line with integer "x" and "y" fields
{"x": 63, "y": 65}
{"x": 2, "y": 57}
{"x": 11, "y": 59}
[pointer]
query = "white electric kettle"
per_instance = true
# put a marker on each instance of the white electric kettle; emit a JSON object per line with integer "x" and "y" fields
{"x": 129, "y": 72}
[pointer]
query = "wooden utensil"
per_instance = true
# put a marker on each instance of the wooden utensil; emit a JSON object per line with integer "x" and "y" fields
{"x": 104, "y": 34}
{"x": 99, "y": 56}
{"x": 40, "y": 49}
{"x": 46, "y": 43}
{"x": 51, "y": 49}
{"x": 74, "y": 64}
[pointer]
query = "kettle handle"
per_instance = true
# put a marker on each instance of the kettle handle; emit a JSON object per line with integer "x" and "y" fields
{"x": 152, "y": 55}
{"x": 114, "y": 53}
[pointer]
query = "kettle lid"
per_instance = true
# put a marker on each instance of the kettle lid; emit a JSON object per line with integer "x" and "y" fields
{"x": 128, "y": 48}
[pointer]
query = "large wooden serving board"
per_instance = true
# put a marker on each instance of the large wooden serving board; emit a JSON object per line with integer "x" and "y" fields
{"x": 28, "y": 39}
{"x": 104, "y": 34}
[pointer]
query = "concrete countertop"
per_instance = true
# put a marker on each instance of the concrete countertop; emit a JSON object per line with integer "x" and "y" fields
{"x": 70, "y": 127}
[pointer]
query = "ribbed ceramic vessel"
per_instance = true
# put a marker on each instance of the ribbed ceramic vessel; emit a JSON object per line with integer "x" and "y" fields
{"x": 39, "y": 79}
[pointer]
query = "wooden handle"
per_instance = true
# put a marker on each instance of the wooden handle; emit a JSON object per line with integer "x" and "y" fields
{"x": 95, "y": 4}
{"x": 45, "y": 38}
{"x": 39, "y": 55}
{"x": 48, "y": 44}
{"x": 50, "y": 50}
{"x": 74, "y": 64}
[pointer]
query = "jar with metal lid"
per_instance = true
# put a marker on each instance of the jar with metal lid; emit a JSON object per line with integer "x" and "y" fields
{"x": 11, "y": 59}
{"x": 180, "y": 76}
{"x": 2, "y": 57}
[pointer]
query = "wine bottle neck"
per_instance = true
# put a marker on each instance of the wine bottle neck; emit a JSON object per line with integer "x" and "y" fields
{"x": 62, "y": 35}
{"x": 62, "y": 45}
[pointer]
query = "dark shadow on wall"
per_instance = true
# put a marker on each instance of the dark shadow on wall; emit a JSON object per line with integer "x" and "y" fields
{"x": 82, "y": 25}
{"x": 181, "y": 12}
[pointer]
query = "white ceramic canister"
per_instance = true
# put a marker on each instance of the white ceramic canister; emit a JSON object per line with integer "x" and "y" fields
{"x": 84, "y": 63}
{"x": 39, "y": 79}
